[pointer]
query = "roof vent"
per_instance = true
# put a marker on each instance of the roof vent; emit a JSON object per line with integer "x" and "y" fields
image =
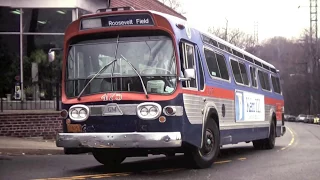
{"x": 116, "y": 9}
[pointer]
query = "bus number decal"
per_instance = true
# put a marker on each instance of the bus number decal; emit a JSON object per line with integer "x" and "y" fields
{"x": 249, "y": 106}
{"x": 111, "y": 97}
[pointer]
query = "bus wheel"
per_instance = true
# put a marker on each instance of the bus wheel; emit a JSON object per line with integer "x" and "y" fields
{"x": 269, "y": 142}
{"x": 107, "y": 157}
{"x": 204, "y": 157}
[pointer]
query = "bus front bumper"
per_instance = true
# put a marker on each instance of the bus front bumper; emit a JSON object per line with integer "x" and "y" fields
{"x": 119, "y": 140}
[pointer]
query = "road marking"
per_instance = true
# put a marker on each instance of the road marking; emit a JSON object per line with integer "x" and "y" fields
{"x": 242, "y": 159}
{"x": 222, "y": 162}
{"x": 292, "y": 140}
{"x": 109, "y": 175}
{"x": 93, "y": 176}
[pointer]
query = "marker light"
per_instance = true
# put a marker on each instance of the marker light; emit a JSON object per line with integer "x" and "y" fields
{"x": 180, "y": 26}
{"x": 79, "y": 113}
{"x": 169, "y": 110}
{"x": 148, "y": 110}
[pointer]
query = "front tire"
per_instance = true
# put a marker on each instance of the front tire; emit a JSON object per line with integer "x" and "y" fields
{"x": 269, "y": 142}
{"x": 108, "y": 158}
{"x": 204, "y": 157}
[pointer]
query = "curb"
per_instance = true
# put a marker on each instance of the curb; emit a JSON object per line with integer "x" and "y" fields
{"x": 19, "y": 152}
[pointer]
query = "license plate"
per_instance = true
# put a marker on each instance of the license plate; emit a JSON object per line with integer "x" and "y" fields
{"x": 74, "y": 128}
{"x": 112, "y": 109}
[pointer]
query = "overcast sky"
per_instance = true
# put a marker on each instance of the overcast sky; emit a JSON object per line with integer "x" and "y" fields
{"x": 275, "y": 17}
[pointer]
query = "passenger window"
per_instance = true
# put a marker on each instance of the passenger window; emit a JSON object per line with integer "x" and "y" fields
{"x": 244, "y": 73}
{"x": 222, "y": 66}
{"x": 212, "y": 63}
{"x": 264, "y": 80}
{"x": 216, "y": 64}
{"x": 253, "y": 76}
{"x": 201, "y": 75}
{"x": 276, "y": 84}
{"x": 236, "y": 71}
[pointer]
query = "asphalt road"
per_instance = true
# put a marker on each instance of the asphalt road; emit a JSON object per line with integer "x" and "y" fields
{"x": 295, "y": 157}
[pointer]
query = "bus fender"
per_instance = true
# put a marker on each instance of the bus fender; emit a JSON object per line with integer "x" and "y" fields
{"x": 208, "y": 110}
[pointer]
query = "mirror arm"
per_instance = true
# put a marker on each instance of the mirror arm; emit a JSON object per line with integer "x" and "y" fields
{"x": 184, "y": 79}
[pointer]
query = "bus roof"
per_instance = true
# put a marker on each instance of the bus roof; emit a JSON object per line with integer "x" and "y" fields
{"x": 214, "y": 37}
{"x": 175, "y": 20}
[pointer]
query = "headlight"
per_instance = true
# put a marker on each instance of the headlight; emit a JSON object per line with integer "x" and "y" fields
{"x": 148, "y": 111}
{"x": 79, "y": 113}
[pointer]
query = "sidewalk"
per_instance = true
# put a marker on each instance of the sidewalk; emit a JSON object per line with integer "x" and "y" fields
{"x": 28, "y": 146}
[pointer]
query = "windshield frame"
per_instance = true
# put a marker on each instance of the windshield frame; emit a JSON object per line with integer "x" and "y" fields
{"x": 124, "y": 39}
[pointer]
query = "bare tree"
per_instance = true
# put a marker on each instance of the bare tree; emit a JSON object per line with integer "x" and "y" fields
{"x": 174, "y": 4}
{"x": 234, "y": 36}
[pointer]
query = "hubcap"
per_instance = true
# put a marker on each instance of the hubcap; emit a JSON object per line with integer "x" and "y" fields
{"x": 209, "y": 142}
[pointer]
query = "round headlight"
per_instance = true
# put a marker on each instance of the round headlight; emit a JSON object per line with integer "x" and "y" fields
{"x": 74, "y": 113}
{"x": 144, "y": 111}
{"x": 153, "y": 111}
{"x": 82, "y": 113}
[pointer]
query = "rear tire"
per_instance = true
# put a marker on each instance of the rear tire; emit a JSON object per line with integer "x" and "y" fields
{"x": 204, "y": 157}
{"x": 108, "y": 158}
{"x": 269, "y": 142}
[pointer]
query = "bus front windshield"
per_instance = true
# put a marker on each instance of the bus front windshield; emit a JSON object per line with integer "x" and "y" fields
{"x": 153, "y": 58}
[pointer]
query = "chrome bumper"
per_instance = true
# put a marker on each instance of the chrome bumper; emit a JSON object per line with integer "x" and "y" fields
{"x": 119, "y": 140}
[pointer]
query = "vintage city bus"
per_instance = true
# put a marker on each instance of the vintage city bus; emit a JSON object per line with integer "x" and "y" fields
{"x": 140, "y": 82}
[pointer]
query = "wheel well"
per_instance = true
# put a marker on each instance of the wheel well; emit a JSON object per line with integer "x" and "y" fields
{"x": 274, "y": 119}
{"x": 215, "y": 117}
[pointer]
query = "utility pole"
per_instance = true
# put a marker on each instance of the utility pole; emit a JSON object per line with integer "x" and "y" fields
{"x": 226, "y": 31}
{"x": 313, "y": 61}
{"x": 256, "y": 30}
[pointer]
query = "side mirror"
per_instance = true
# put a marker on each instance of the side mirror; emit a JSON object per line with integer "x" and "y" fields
{"x": 190, "y": 73}
{"x": 52, "y": 54}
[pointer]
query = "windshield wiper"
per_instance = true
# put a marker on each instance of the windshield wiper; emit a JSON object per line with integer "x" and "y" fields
{"x": 102, "y": 69}
{"x": 135, "y": 70}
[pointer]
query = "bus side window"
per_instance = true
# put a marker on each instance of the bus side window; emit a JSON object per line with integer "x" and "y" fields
{"x": 276, "y": 84}
{"x": 201, "y": 75}
{"x": 188, "y": 62}
{"x": 253, "y": 73}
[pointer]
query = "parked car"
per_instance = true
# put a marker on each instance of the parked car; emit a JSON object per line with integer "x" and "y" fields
{"x": 317, "y": 119}
{"x": 301, "y": 118}
{"x": 291, "y": 118}
{"x": 309, "y": 119}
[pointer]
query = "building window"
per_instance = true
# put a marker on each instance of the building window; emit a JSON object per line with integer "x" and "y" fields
{"x": 46, "y": 20}
{"x": 9, "y": 62}
{"x": 9, "y": 19}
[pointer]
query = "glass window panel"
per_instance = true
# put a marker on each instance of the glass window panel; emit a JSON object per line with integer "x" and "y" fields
{"x": 46, "y": 20}
{"x": 244, "y": 73}
{"x": 222, "y": 66}
{"x": 9, "y": 62}
{"x": 236, "y": 71}
{"x": 212, "y": 63}
{"x": 9, "y": 19}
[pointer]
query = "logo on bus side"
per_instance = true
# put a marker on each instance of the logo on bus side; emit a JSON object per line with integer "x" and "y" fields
{"x": 111, "y": 97}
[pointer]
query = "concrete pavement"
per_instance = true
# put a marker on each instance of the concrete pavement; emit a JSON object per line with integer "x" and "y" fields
{"x": 28, "y": 146}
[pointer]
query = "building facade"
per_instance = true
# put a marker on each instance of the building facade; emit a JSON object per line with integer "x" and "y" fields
{"x": 28, "y": 29}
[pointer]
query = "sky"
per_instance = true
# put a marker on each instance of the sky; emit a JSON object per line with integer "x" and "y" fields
{"x": 274, "y": 17}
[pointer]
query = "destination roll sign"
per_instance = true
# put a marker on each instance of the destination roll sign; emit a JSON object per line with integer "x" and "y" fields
{"x": 118, "y": 20}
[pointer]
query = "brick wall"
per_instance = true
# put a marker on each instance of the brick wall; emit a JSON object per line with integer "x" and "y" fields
{"x": 44, "y": 125}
